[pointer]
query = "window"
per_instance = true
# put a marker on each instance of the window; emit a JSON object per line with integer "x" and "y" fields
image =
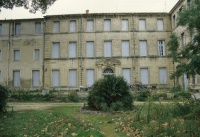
{"x": 72, "y": 26}
{"x": 17, "y": 28}
{"x": 142, "y": 24}
{"x": 144, "y": 76}
{"x": 16, "y": 55}
{"x": 160, "y": 24}
{"x": 143, "y": 47}
{"x": 36, "y": 54}
{"x": 90, "y": 49}
{"x": 107, "y": 49}
{"x": 35, "y": 78}
{"x": 161, "y": 48}
{"x": 72, "y": 49}
{"x": 125, "y": 25}
{"x": 38, "y": 28}
{"x": 163, "y": 75}
{"x": 90, "y": 77}
{"x": 183, "y": 39}
{"x": 56, "y": 26}
{"x": 195, "y": 79}
{"x": 90, "y": 25}
{"x": 107, "y": 25}
{"x": 125, "y": 48}
{"x": 1, "y": 30}
{"x": 72, "y": 78}
{"x": 174, "y": 21}
{"x": 55, "y": 78}
{"x": 56, "y": 50}
{"x": 186, "y": 81}
{"x": 16, "y": 78}
{"x": 0, "y": 55}
{"x": 127, "y": 74}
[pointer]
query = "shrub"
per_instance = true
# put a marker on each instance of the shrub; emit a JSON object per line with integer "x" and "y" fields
{"x": 176, "y": 89}
{"x": 143, "y": 94}
{"x": 4, "y": 92}
{"x": 110, "y": 94}
{"x": 73, "y": 96}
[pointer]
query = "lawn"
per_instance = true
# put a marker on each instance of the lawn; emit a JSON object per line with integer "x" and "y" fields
{"x": 150, "y": 119}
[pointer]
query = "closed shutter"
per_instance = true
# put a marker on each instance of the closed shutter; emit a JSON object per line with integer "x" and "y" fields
{"x": 72, "y": 49}
{"x": 124, "y": 25}
{"x": 37, "y": 54}
{"x": 127, "y": 75}
{"x": 72, "y": 78}
{"x": 163, "y": 75}
{"x": 125, "y": 48}
{"x": 35, "y": 78}
{"x": 90, "y": 77}
{"x": 16, "y": 55}
{"x": 107, "y": 49}
{"x": 144, "y": 76}
{"x": 90, "y": 26}
{"x": 38, "y": 28}
{"x": 143, "y": 48}
{"x": 16, "y": 78}
{"x": 55, "y": 78}
{"x": 72, "y": 26}
{"x": 56, "y": 50}
{"x": 142, "y": 24}
{"x": 90, "y": 49}
{"x": 17, "y": 29}
{"x": 160, "y": 24}
{"x": 107, "y": 25}
{"x": 56, "y": 26}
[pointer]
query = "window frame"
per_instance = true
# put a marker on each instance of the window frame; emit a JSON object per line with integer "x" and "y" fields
{"x": 33, "y": 85}
{"x": 141, "y": 27}
{"x": 18, "y": 28}
{"x": 53, "y": 56}
{"x": 163, "y": 53}
{"x": 14, "y": 58}
{"x": 107, "y": 28}
{"x": 54, "y": 27}
{"x": 35, "y": 57}
{"x": 89, "y": 28}
{"x": 38, "y": 27}
{"x": 124, "y": 28}
{"x": 70, "y": 26}
{"x": 160, "y": 21}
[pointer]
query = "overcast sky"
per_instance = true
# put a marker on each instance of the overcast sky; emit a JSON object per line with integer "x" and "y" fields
{"x": 94, "y": 6}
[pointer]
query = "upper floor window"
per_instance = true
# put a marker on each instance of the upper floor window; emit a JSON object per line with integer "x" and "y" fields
{"x": 16, "y": 55}
{"x": 56, "y": 26}
{"x": 142, "y": 24}
{"x": 107, "y": 49}
{"x": 72, "y": 49}
{"x": 161, "y": 48}
{"x": 174, "y": 21}
{"x": 107, "y": 25}
{"x": 56, "y": 50}
{"x": 90, "y": 49}
{"x": 160, "y": 24}
{"x": 1, "y": 29}
{"x": 36, "y": 54}
{"x": 17, "y": 28}
{"x": 0, "y": 55}
{"x": 143, "y": 47}
{"x": 72, "y": 26}
{"x": 124, "y": 25}
{"x": 38, "y": 28}
{"x": 90, "y": 25}
{"x": 125, "y": 48}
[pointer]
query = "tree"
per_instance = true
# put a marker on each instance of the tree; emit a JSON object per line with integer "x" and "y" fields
{"x": 188, "y": 57}
{"x": 32, "y": 5}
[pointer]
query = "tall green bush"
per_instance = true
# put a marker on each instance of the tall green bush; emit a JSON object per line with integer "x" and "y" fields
{"x": 110, "y": 94}
{"x": 4, "y": 92}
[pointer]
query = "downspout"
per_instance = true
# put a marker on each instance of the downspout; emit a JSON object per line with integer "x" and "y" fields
{"x": 134, "y": 53}
{"x": 43, "y": 51}
{"x": 81, "y": 67}
{"x": 8, "y": 54}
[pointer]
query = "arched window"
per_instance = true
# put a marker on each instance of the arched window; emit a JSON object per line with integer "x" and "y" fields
{"x": 108, "y": 71}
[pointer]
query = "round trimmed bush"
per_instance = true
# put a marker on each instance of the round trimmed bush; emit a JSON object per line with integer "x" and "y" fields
{"x": 110, "y": 94}
{"x": 3, "y": 97}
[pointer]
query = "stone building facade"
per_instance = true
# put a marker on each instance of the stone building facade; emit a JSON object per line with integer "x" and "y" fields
{"x": 70, "y": 51}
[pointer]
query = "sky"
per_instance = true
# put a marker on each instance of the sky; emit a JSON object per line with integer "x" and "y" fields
{"x": 94, "y": 6}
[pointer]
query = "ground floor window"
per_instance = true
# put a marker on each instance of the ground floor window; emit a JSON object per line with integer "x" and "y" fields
{"x": 35, "y": 78}
{"x": 144, "y": 75}
{"x": 16, "y": 78}
{"x": 55, "y": 78}
{"x": 89, "y": 77}
{"x": 72, "y": 78}
{"x": 127, "y": 74}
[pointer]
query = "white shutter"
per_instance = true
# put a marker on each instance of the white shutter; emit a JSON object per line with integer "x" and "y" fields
{"x": 127, "y": 75}
{"x": 160, "y": 24}
{"x": 185, "y": 81}
{"x": 72, "y": 26}
{"x": 56, "y": 26}
{"x": 144, "y": 76}
{"x": 38, "y": 28}
{"x": 37, "y": 54}
{"x": 72, "y": 78}
{"x": 124, "y": 25}
{"x": 16, "y": 55}
{"x": 90, "y": 26}
{"x": 142, "y": 24}
{"x": 107, "y": 49}
{"x": 163, "y": 75}
{"x": 55, "y": 78}
{"x": 17, "y": 28}
{"x": 90, "y": 77}
{"x": 143, "y": 48}
{"x": 56, "y": 50}
{"x": 107, "y": 25}
{"x": 90, "y": 49}
{"x": 72, "y": 49}
{"x": 125, "y": 48}
{"x": 35, "y": 78}
{"x": 161, "y": 48}
{"x": 16, "y": 78}
{"x": 1, "y": 30}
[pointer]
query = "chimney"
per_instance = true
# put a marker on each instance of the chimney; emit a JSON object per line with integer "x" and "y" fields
{"x": 87, "y": 11}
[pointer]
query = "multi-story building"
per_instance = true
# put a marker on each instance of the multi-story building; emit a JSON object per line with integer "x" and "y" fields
{"x": 69, "y": 51}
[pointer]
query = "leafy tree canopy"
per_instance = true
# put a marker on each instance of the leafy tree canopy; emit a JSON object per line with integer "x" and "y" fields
{"x": 187, "y": 57}
{"x": 32, "y": 5}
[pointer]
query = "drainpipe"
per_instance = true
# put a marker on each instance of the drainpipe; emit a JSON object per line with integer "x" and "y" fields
{"x": 8, "y": 54}
{"x": 81, "y": 67}
{"x": 134, "y": 53}
{"x": 43, "y": 48}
